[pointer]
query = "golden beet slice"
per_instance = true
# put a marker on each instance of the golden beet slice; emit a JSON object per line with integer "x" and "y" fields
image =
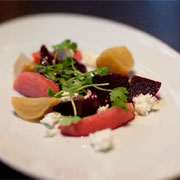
{"x": 23, "y": 64}
{"x": 32, "y": 109}
{"x": 117, "y": 60}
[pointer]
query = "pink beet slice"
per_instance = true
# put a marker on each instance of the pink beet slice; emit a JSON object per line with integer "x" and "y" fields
{"x": 34, "y": 85}
{"x": 111, "y": 118}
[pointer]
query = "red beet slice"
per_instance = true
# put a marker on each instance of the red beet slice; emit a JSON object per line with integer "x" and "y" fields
{"x": 45, "y": 57}
{"x": 114, "y": 80}
{"x": 84, "y": 107}
{"x": 140, "y": 85}
{"x": 80, "y": 66}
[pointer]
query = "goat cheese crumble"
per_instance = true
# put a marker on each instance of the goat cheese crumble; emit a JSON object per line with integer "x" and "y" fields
{"x": 52, "y": 122}
{"x": 102, "y": 140}
{"x": 51, "y": 119}
{"x": 67, "y": 97}
{"x": 52, "y": 132}
{"x": 103, "y": 108}
{"x": 143, "y": 104}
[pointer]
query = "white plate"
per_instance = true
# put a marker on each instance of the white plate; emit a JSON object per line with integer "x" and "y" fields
{"x": 147, "y": 148}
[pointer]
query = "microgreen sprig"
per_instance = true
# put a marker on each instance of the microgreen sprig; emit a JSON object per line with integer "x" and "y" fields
{"x": 67, "y": 44}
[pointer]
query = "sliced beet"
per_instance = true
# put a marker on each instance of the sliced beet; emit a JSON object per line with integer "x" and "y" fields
{"x": 103, "y": 97}
{"x": 85, "y": 107}
{"x": 140, "y": 85}
{"x": 114, "y": 80}
{"x": 111, "y": 118}
{"x": 45, "y": 57}
{"x": 81, "y": 67}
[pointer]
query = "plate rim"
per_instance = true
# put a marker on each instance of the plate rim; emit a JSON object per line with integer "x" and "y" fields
{"x": 18, "y": 167}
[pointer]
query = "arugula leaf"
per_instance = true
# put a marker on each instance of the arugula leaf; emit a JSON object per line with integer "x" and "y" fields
{"x": 118, "y": 97}
{"x": 68, "y": 120}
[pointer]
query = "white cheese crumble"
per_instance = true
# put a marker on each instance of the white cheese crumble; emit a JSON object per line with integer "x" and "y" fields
{"x": 51, "y": 119}
{"x": 102, "y": 140}
{"x": 52, "y": 132}
{"x": 67, "y": 97}
{"x": 52, "y": 122}
{"x": 103, "y": 108}
{"x": 143, "y": 104}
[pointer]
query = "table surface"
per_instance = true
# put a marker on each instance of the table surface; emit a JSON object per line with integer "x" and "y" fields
{"x": 158, "y": 18}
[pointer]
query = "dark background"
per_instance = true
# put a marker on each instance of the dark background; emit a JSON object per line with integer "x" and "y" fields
{"x": 158, "y": 18}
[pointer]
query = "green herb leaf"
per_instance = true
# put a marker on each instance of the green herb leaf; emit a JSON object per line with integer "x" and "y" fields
{"x": 73, "y": 46}
{"x": 71, "y": 79}
{"x": 68, "y": 120}
{"x": 120, "y": 103}
{"x": 68, "y": 62}
{"x": 66, "y": 45}
{"x": 50, "y": 92}
{"x": 59, "y": 94}
{"x": 62, "y": 45}
{"x": 50, "y": 71}
{"x": 119, "y": 92}
{"x": 100, "y": 71}
{"x": 75, "y": 119}
{"x": 118, "y": 97}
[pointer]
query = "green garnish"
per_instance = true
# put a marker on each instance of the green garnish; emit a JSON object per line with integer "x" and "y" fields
{"x": 50, "y": 72}
{"x": 50, "y": 92}
{"x": 54, "y": 72}
{"x": 67, "y": 44}
{"x": 68, "y": 120}
{"x": 82, "y": 81}
{"x": 74, "y": 107}
{"x": 118, "y": 97}
{"x": 71, "y": 79}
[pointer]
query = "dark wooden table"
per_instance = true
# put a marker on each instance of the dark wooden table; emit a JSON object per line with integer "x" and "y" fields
{"x": 158, "y": 18}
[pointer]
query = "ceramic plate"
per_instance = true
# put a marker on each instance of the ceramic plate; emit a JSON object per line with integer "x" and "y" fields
{"x": 147, "y": 148}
